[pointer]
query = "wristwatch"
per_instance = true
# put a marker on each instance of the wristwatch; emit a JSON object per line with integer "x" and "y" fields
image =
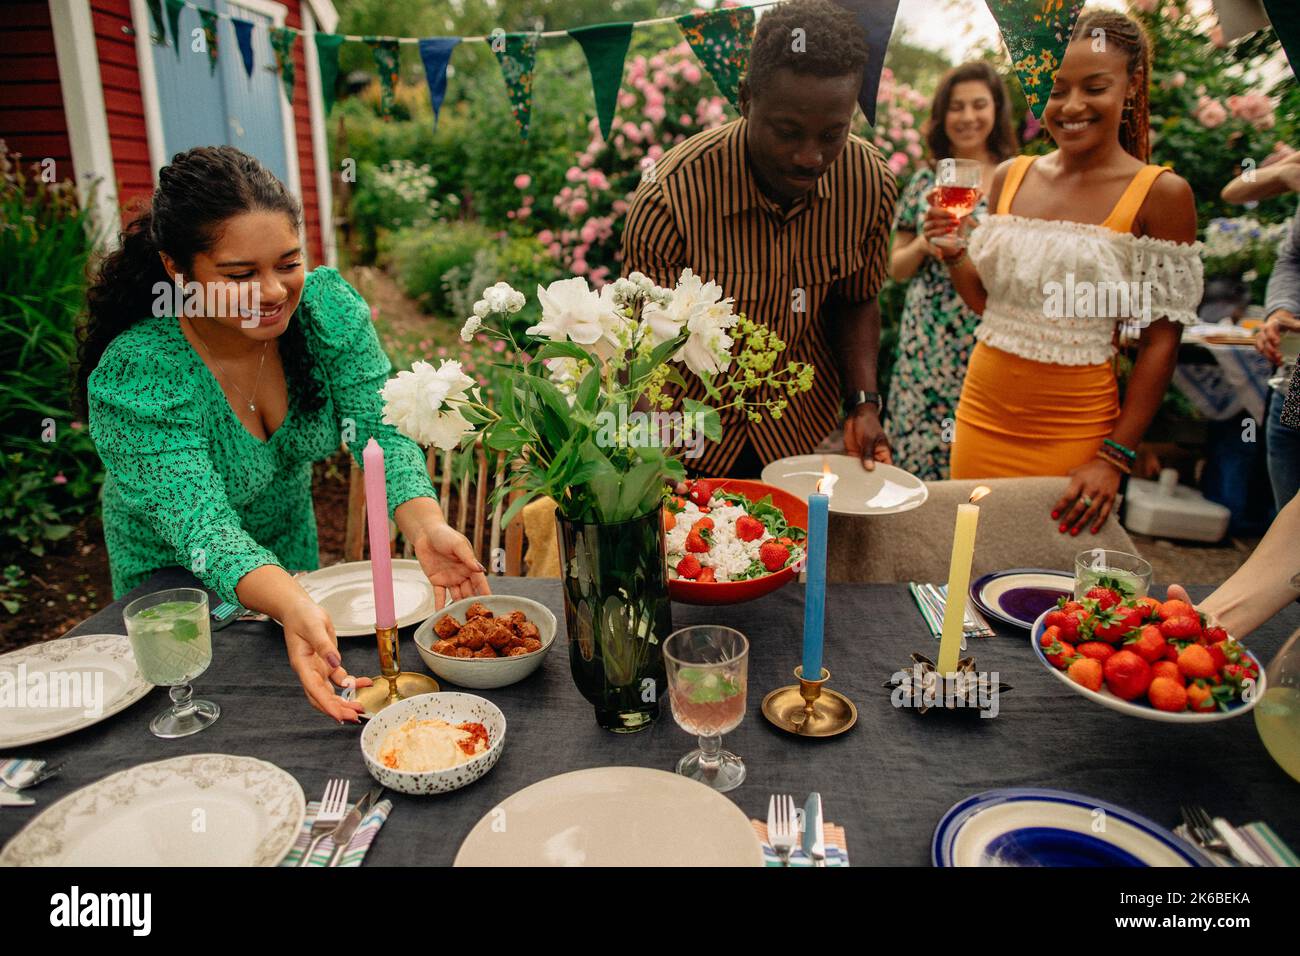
{"x": 854, "y": 399}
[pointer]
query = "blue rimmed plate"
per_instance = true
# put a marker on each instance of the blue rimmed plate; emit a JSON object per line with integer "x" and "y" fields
{"x": 1025, "y": 826}
{"x": 1017, "y": 597}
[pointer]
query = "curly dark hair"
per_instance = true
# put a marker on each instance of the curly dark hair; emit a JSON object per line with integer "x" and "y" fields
{"x": 197, "y": 192}
{"x": 1002, "y": 139}
{"x": 833, "y": 43}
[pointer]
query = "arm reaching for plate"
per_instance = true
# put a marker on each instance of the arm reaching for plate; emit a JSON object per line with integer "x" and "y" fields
{"x": 1266, "y": 583}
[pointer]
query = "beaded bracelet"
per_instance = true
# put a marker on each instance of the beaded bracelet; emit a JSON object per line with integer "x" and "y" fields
{"x": 1112, "y": 458}
{"x": 1128, "y": 453}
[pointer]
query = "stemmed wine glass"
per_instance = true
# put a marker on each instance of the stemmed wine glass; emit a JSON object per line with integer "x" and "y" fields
{"x": 957, "y": 189}
{"x": 172, "y": 641}
{"x": 708, "y": 669}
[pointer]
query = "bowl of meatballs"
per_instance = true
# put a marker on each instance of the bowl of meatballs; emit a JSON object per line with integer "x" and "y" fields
{"x": 488, "y": 641}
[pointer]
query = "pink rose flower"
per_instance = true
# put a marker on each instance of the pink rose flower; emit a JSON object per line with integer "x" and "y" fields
{"x": 596, "y": 180}
{"x": 898, "y": 162}
{"x": 691, "y": 73}
{"x": 1146, "y": 6}
{"x": 588, "y": 232}
{"x": 579, "y": 267}
{"x": 545, "y": 237}
{"x": 555, "y": 250}
{"x": 656, "y": 112}
{"x": 578, "y": 208}
{"x": 523, "y": 181}
{"x": 573, "y": 174}
{"x": 619, "y": 206}
{"x": 60, "y": 479}
{"x": 1210, "y": 113}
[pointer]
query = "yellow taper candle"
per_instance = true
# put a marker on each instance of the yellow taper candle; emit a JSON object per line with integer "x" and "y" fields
{"x": 954, "y": 608}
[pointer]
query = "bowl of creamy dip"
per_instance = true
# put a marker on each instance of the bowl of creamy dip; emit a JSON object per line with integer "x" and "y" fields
{"x": 433, "y": 743}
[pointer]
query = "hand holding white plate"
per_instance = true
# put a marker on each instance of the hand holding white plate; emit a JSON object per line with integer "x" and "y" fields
{"x": 885, "y": 490}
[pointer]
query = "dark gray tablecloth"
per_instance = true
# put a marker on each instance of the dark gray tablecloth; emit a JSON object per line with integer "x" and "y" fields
{"x": 888, "y": 781}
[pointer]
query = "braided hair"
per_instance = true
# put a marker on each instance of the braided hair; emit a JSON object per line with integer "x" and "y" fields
{"x": 198, "y": 191}
{"x": 1131, "y": 39}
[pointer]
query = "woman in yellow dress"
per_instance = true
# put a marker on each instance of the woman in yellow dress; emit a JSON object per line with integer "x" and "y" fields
{"x": 1081, "y": 240}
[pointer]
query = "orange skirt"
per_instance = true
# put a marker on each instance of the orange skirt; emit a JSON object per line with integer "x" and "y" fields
{"x": 1017, "y": 417}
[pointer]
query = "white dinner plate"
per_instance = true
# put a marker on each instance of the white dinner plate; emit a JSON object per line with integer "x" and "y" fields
{"x": 885, "y": 490}
{"x": 613, "y": 816}
{"x": 65, "y": 685}
{"x": 197, "y": 810}
{"x": 347, "y": 593}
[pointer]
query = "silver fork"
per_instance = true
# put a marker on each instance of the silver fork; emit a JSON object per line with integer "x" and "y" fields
{"x": 333, "y": 805}
{"x": 28, "y": 778}
{"x": 782, "y": 826}
{"x": 1199, "y": 822}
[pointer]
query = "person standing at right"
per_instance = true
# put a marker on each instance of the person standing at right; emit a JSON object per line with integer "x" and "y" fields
{"x": 1053, "y": 280}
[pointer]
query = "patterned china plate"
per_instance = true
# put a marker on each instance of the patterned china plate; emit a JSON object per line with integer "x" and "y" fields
{"x": 94, "y": 674}
{"x": 196, "y": 810}
{"x": 347, "y": 592}
{"x": 1018, "y": 596}
{"x": 885, "y": 490}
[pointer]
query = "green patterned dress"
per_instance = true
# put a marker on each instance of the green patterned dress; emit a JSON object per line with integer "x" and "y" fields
{"x": 187, "y": 484}
{"x": 935, "y": 336}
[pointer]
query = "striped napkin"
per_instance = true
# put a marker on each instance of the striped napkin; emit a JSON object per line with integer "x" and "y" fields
{"x": 364, "y": 836}
{"x": 930, "y": 598}
{"x": 1254, "y": 841}
{"x": 837, "y": 847}
{"x": 18, "y": 765}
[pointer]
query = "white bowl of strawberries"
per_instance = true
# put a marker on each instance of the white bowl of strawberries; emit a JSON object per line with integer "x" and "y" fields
{"x": 1147, "y": 658}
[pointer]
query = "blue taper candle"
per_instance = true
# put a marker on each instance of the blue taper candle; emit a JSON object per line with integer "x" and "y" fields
{"x": 814, "y": 600}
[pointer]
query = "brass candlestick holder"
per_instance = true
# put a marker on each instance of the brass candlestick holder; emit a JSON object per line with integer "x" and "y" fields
{"x": 809, "y": 708}
{"x": 393, "y": 683}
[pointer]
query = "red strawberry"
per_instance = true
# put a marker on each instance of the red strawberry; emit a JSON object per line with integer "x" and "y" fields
{"x": 703, "y": 523}
{"x": 1213, "y": 635}
{"x": 1066, "y": 621}
{"x": 1200, "y": 698}
{"x": 1085, "y": 671}
{"x": 1165, "y": 693}
{"x": 688, "y": 567}
{"x": 1127, "y": 675}
{"x": 1167, "y": 669}
{"x": 1106, "y": 598}
{"x": 1097, "y": 650}
{"x": 1180, "y": 628}
{"x": 707, "y": 576}
{"x": 1057, "y": 651}
{"x": 696, "y": 543}
{"x": 1115, "y": 625}
{"x": 748, "y": 528}
{"x": 1149, "y": 644}
{"x": 701, "y": 492}
{"x": 1195, "y": 661}
{"x": 1218, "y": 654}
{"x": 1150, "y": 605}
{"x": 1171, "y": 652}
{"x": 1175, "y": 608}
{"x": 774, "y": 555}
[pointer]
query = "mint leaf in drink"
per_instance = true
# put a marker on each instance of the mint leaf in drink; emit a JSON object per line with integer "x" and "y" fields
{"x": 184, "y": 630}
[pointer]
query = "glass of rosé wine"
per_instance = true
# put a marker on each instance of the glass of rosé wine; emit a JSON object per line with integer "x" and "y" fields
{"x": 708, "y": 669}
{"x": 956, "y": 189}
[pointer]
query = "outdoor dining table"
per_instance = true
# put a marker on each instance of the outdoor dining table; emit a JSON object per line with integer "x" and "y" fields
{"x": 888, "y": 780}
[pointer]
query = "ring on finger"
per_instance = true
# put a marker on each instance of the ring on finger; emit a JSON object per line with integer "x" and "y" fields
{"x": 1087, "y": 501}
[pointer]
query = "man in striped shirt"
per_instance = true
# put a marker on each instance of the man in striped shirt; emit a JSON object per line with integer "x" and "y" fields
{"x": 790, "y": 215}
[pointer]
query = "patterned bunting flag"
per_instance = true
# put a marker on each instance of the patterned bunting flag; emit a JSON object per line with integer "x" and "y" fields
{"x": 436, "y": 54}
{"x": 159, "y": 32}
{"x": 174, "y": 8}
{"x": 1036, "y": 33}
{"x": 605, "y": 46}
{"x": 1286, "y": 25}
{"x": 244, "y": 37}
{"x": 327, "y": 55}
{"x": 517, "y": 54}
{"x": 282, "y": 39}
{"x": 721, "y": 40}
{"x": 209, "y": 21}
{"x": 386, "y": 53}
{"x": 877, "y": 20}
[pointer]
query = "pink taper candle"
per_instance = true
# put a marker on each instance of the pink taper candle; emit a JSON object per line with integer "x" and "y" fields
{"x": 381, "y": 561}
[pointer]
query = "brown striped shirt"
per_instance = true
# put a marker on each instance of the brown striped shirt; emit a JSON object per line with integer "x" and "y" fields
{"x": 703, "y": 210}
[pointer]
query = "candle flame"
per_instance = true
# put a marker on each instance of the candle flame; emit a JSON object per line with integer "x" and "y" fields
{"x": 827, "y": 480}
{"x": 979, "y": 493}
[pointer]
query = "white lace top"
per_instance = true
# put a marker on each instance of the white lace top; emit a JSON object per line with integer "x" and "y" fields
{"x": 1056, "y": 289}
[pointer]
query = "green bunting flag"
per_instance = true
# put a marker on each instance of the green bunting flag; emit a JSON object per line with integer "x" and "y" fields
{"x": 605, "y": 46}
{"x": 174, "y": 8}
{"x": 386, "y": 53}
{"x": 721, "y": 40}
{"x": 517, "y": 54}
{"x": 282, "y": 39}
{"x": 209, "y": 20}
{"x": 1036, "y": 33}
{"x": 159, "y": 32}
{"x": 327, "y": 55}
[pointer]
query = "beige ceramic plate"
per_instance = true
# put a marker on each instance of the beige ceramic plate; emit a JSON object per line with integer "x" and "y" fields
{"x": 65, "y": 685}
{"x": 613, "y": 816}
{"x": 347, "y": 592}
{"x": 885, "y": 490}
{"x": 197, "y": 810}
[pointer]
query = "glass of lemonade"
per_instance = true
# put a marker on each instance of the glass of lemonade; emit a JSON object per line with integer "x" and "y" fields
{"x": 172, "y": 641}
{"x": 1277, "y": 715}
{"x": 707, "y": 676}
{"x": 1097, "y": 567}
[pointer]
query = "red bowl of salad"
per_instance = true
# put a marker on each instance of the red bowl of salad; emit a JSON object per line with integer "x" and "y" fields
{"x": 730, "y": 540}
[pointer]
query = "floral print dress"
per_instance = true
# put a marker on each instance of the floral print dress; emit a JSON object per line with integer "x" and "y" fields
{"x": 935, "y": 337}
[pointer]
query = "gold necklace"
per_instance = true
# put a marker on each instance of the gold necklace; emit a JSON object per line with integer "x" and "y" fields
{"x": 252, "y": 406}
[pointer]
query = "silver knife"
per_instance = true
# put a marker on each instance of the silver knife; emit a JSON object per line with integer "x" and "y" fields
{"x": 342, "y": 834}
{"x": 814, "y": 836}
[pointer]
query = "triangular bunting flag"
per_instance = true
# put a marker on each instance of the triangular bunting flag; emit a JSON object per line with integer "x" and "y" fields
{"x": 174, "y": 8}
{"x": 721, "y": 40}
{"x": 436, "y": 54}
{"x": 517, "y": 53}
{"x": 209, "y": 21}
{"x": 877, "y": 20}
{"x": 282, "y": 43}
{"x": 1036, "y": 33}
{"x": 327, "y": 55}
{"x": 605, "y": 47}
{"x": 159, "y": 32}
{"x": 1287, "y": 27}
{"x": 386, "y": 53}
{"x": 244, "y": 37}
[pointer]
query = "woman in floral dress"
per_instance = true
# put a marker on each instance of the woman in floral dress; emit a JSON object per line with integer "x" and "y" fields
{"x": 970, "y": 118}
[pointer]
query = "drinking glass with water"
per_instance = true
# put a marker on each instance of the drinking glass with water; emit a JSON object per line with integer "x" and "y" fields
{"x": 172, "y": 641}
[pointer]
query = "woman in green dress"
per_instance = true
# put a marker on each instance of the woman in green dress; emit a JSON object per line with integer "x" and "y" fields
{"x": 208, "y": 409}
{"x": 970, "y": 118}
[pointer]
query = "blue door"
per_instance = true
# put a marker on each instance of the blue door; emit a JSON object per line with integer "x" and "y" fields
{"x": 227, "y": 107}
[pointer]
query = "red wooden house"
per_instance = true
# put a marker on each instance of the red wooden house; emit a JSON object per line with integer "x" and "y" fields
{"x": 83, "y": 83}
